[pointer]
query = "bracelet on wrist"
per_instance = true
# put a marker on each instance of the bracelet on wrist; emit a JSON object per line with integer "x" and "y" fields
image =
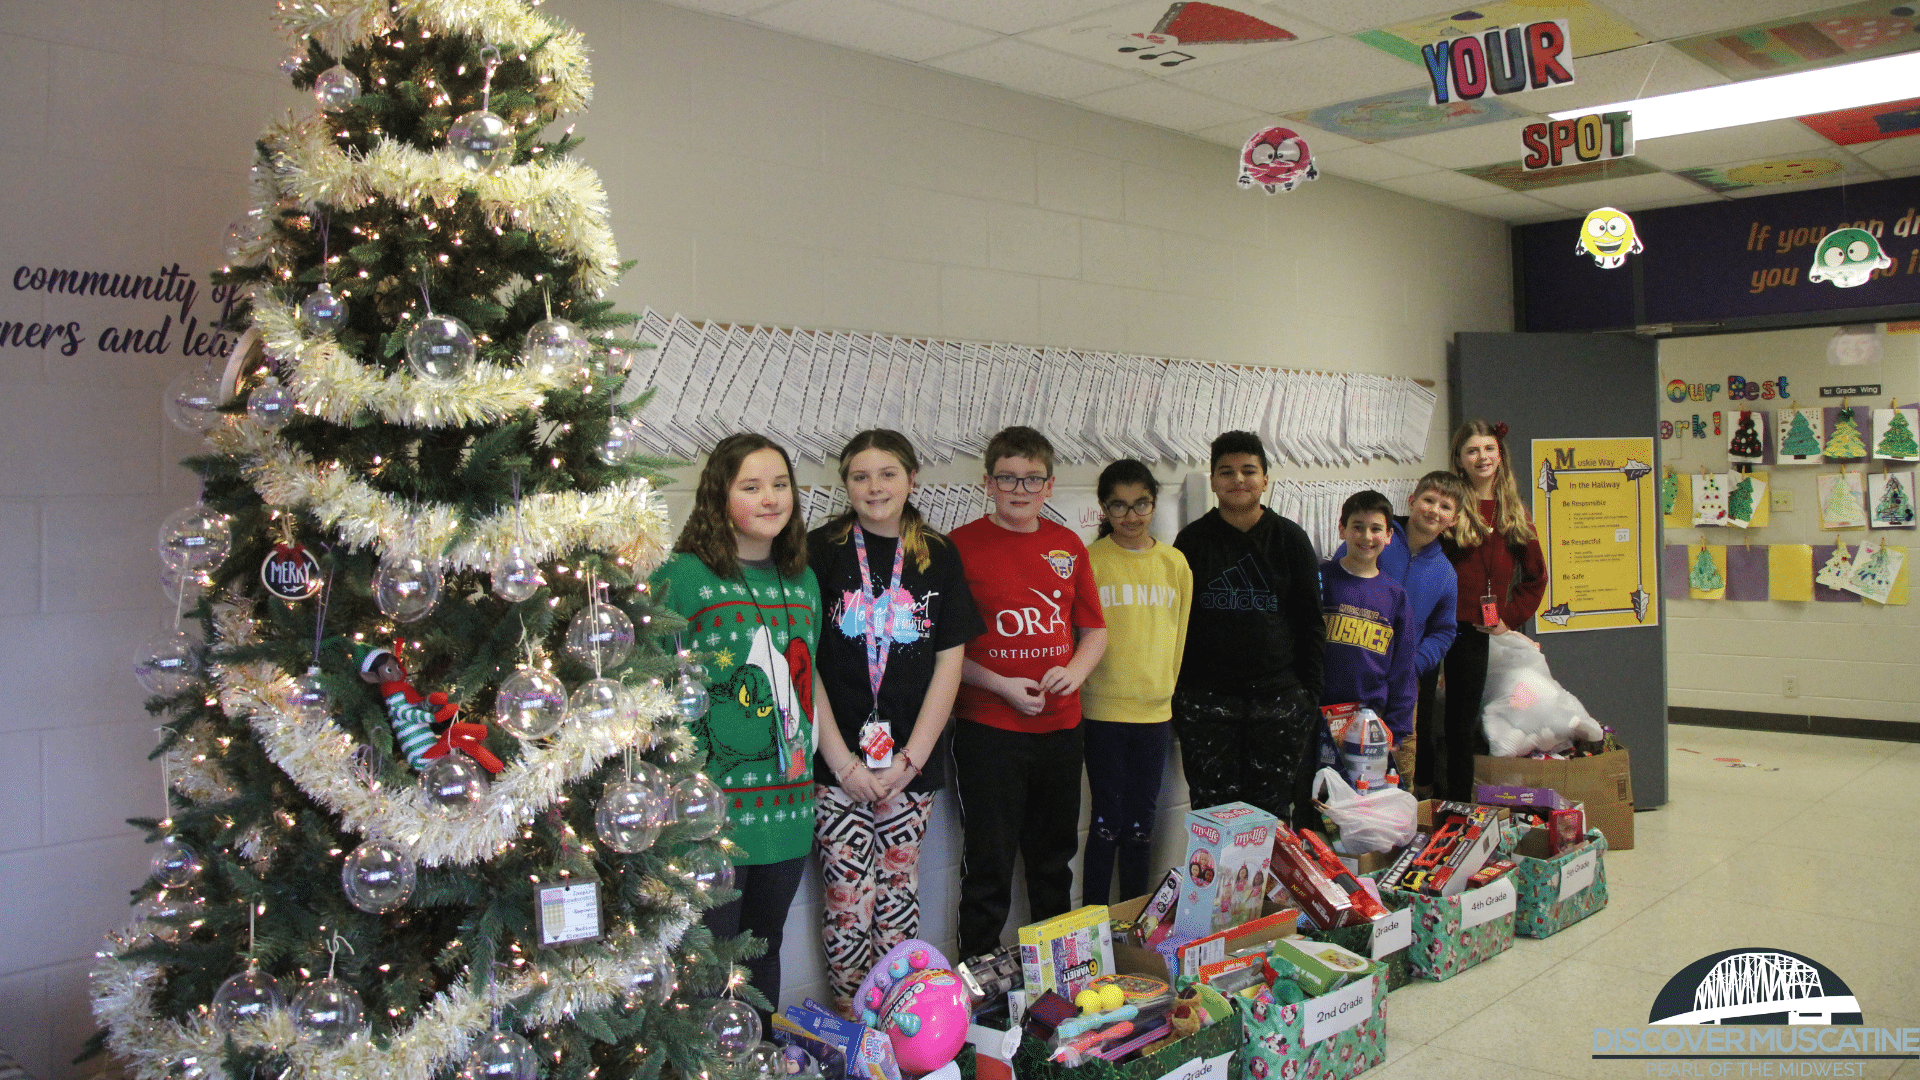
{"x": 904, "y": 757}
{"x": 846, "y": 770}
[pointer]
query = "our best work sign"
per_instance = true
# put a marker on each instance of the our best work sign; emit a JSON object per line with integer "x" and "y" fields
{"x": 1714, "y": 262}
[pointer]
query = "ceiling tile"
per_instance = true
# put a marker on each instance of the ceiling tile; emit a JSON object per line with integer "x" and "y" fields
{"x": 1898, "y": 174}
{"x": 1368, "y": 163}
{"x": 1482, "y": 144}
{"x": 1775, "y": 137}
{"x": 1404, "y": 114}
{"x": 1102, "y": 37}
{"x": 1628, "y": 193}
{"x": 1347, "y": 17}
{"x": 1786, "y": 172}
{"x": 1443, "y": 186}
{"x": 1168, "y": 106}
{"x": 725, "y": 7}
{"x": 1892, "y": 154}
{"x": 1034, "y": 70}
{"x": 1647, "y": 71}
{"x": 1237, "y": 133}
{"x": 1591, "y": 28}
{"x": 872, "y": 27}
{"x": 1008, "y": 16}
{"x": 1302, "y": 76}
{"x": 1511, "y": 206}
{"x": 1667, "y": 19}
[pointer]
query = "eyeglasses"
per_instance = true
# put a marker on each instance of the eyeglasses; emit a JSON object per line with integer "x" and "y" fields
{"x": 1029, "y": 484}
{"x": 1118, "y": 509}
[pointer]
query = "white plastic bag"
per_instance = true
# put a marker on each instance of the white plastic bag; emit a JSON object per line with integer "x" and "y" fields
{"x": 1523, "y": 708}
{"x": 1377, "y": 821}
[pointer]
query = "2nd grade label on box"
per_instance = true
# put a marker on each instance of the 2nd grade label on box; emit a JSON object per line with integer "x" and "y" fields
{"x": 1330, "y": 1014}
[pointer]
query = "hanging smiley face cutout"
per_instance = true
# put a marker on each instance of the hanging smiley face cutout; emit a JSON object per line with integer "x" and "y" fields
{"x": 1847, "y": 257}
{"x": 1277, "y": 159}
{"x": 1609, "y": 236}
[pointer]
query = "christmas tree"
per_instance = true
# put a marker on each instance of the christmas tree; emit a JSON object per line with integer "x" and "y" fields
{"x": 1800, "y": 440}
{"x": 1845, "y": 443}
{"x": 1897, "y": 440}
{"x": 1746, "y": 441}
{"x": 1669, "y": 491}
{"x": 1895, "y": 506}
{"x": 1874, "y": 571}
{"x": 427, "y": 513}
{"x": 1740, "y": 500}
{"x": 1705, "y": 576}
{"x": 1842, "y": 508}
{"x": 1833, "y": 573}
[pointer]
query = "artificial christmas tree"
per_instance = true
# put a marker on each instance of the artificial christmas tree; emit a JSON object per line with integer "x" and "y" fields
{"x": 1800, "y": 442}
{"x": 1894, "y": 508}
{"x": 1845, "y": 443}
{"x": 1745, "y": 443}
{"x": 433, "y": 803}
{"x": 1897, "y": 440}
{"x": 1704, "y": 575}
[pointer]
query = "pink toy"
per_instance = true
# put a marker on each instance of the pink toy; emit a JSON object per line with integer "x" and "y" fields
{"x": 913, "y": 996}
{"x": 1277, "y": 159}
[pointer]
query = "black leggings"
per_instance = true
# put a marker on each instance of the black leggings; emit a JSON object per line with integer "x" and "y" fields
{"x": 1466, "y": 668}
{"x": 766, "y": 896}
{"x": 1260, "y": 748}
{"x": 1124, "y": 765}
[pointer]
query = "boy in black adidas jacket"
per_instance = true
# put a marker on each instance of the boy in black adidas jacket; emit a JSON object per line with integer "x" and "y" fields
{"x": 1247, "y": 704}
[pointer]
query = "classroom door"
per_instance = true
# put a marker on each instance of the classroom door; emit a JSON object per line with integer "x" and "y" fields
{"x": 1549, "y": 386}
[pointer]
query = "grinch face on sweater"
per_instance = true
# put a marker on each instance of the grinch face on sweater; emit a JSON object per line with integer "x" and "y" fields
{"x": 777, "y": 728}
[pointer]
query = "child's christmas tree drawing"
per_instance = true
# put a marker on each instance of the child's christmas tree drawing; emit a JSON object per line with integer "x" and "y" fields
{"x": 1842, "y": 501}
{"x": 1745, "y": 444}
{"x": 1845, "y": 444}
{"x": 1710, "y": 499}
{"x": 1834, "y": 572}
{"x": 1875, "y": 569}
{"x": 1800, "y": 436}
{"x": 1704, "y": 575}
{"x": 1740, "y": 501}
{"x": 1669, "y": 490}
{"x": 1892, "y": 497}
{"x": 1896, "y": 435}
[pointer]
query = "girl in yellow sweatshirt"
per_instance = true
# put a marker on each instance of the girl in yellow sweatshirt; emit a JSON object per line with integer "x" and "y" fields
{"x": 1145, "y": 591}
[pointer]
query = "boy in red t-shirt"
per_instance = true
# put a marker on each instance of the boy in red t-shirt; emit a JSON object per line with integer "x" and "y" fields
{"x": 1017, "y": 750}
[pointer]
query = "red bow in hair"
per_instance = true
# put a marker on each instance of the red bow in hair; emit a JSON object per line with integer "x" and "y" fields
{"x": 1500, "y": 432}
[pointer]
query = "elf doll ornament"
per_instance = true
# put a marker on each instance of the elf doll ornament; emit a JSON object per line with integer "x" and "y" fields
{"x": 416, "y": 717}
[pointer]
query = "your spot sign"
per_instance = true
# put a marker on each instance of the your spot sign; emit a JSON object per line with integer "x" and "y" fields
{"x": 1500, "y": 62}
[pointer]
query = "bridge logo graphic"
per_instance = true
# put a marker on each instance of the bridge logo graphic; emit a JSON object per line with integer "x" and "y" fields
{"x": 1755, "y": 986}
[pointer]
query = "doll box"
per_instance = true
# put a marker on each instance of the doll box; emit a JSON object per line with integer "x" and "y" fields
{"x": 1557, "y": 891}
{"x": 1229, "y": 850}
{"x": 1335, "y": 1035}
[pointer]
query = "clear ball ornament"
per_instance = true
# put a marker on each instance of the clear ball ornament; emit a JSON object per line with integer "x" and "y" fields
{"x": 336, "y": 87}
{"x": 516, "y": 577}
{"x": 763, "y": 1062}
{"x": 616, "y": 360}
{"x": 175, "y": 865}
{"x": 555, "y": 343}
{"x": 530, "y": 704}
{"x": 700, "y": 805}
{"x": 250, "y": 995}
{"x": 194, "y": 538}
{"x": 322, "y": 311}
{"x": 628, "y": 817}
{"x": 622, "y": 443}
{"x": 168, "y": 914}
{"x": 453, "y": 783}
{"x": 734, "y": 1028}
{"x": 193, "y": 401}
{"x": 291, "y": 63}
{"x": 482, "y": 141}
{"x": 378, "y": 876}
{"x": 328, "y": 1013}
{"x": 440, "y": 347}
{"x": 690, "y": 698}
{"x": 654, "y": 980}
{"x": 406, "y": 587}
{"x": 502, "y": 1055}
{"x": 271, "y": 404}
{"x": 648, "y": 775}
{"x": 600, "y": 636}
{"x": 241, "y": 233}
{"x": 599, "y": 701}
{"x": 184, "y": 587}
{"x": 708, "y": 868}
{"x": 169, "y": 663}
{"x": 309, "y": 699}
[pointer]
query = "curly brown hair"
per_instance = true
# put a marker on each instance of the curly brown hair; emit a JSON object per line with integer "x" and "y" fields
{"x": 708, "y": 533}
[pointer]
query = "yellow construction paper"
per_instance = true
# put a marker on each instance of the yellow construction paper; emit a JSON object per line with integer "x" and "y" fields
{"x": 1790, "y": 572}
{"x": 1716, "y": 552}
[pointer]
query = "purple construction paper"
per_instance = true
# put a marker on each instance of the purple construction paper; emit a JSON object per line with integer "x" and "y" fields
{"x": 1862, "y": 416}
{"x": 1747, "y": 573}
{"x": 1673, "y": 572}
{"x": 1821, "y": 553}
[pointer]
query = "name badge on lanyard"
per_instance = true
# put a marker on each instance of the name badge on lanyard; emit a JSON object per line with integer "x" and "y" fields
{"x": 876, "y": 735}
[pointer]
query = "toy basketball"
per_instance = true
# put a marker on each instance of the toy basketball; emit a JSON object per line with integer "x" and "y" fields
{"x": 919, "y": 1003}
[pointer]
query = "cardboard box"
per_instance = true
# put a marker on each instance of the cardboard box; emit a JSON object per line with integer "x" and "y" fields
{"x": 1276, "y": 922}
{"x": 1454, "y": 933}
{"x": 1604, "y": 782}
{"x": 1066, "y": 952}
{"x": 1558, "y": 890}
{"x": 1229, "y": 848}
{"x": 1340, "y": 1034}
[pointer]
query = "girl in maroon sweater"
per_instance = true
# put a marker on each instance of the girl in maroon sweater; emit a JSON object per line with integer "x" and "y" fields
{"x": 1503, "y": 563}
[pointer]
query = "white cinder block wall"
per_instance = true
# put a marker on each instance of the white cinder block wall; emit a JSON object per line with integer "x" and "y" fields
{"x": 754, "y": 177}
{"x": 1852, "y": 660}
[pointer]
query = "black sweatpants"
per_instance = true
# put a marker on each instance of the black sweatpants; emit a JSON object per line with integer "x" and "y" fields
{"x": 766, "y": 896}
{"x": 1426, "y": 732}
{"x": 1019, "y": 796}
{"x": 1466, "y": 667}
{"x": 1259, "y": 748}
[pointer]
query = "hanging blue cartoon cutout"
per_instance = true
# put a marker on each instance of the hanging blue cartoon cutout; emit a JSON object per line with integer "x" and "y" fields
{"x": 1609, "y": 236}
{"x": 1277, "y": 159}
{"x": 1847, "y": 257}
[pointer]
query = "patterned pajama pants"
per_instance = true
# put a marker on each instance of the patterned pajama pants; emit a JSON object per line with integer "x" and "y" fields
{"x": 870, "y": 870}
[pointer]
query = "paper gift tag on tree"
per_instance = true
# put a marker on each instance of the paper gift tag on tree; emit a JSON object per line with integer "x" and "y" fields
{"x": 1800, "y": 437}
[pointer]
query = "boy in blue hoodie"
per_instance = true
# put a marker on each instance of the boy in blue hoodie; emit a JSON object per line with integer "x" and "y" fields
{"x": 1414, "y": 559}
{"x": 1371, "y": 638}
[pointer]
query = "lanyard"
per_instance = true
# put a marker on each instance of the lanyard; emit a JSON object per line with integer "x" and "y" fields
{"x": 877, "y": 649}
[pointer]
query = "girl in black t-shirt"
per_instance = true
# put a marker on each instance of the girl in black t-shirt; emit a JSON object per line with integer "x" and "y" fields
{"x": 897, "y": 616}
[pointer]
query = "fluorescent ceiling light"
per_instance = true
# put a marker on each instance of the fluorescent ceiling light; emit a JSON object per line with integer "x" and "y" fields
{"x": 1754, "y": 101}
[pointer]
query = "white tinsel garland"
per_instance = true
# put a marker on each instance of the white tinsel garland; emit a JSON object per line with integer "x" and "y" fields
{"x": 566, "y": 81}
{"x": 627, "y": 518}
{"x": 333, "y": 386}
{"x": 561, "y": 202}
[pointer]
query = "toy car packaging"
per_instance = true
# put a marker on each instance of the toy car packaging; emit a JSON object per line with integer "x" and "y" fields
{"x": 1229, "y": 850}
{"x": 1463, "y": 839}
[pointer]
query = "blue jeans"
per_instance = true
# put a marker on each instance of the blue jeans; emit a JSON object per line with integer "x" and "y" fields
{"x": 1124, "y": 766}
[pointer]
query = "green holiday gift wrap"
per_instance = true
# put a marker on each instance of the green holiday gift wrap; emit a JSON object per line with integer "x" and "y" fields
{"x": 1454, "y": 933}
{"x": 1557, "y": 891}
{"x": 1333, "y": 1036}
{"x": 1359, "y": 939}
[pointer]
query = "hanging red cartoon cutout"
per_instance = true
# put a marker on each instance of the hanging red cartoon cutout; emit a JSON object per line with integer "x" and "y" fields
{"x": 1277, "y": 159}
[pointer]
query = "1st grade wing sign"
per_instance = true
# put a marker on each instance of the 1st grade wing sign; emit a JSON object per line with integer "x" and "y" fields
{"x": 1594, "y": 504}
